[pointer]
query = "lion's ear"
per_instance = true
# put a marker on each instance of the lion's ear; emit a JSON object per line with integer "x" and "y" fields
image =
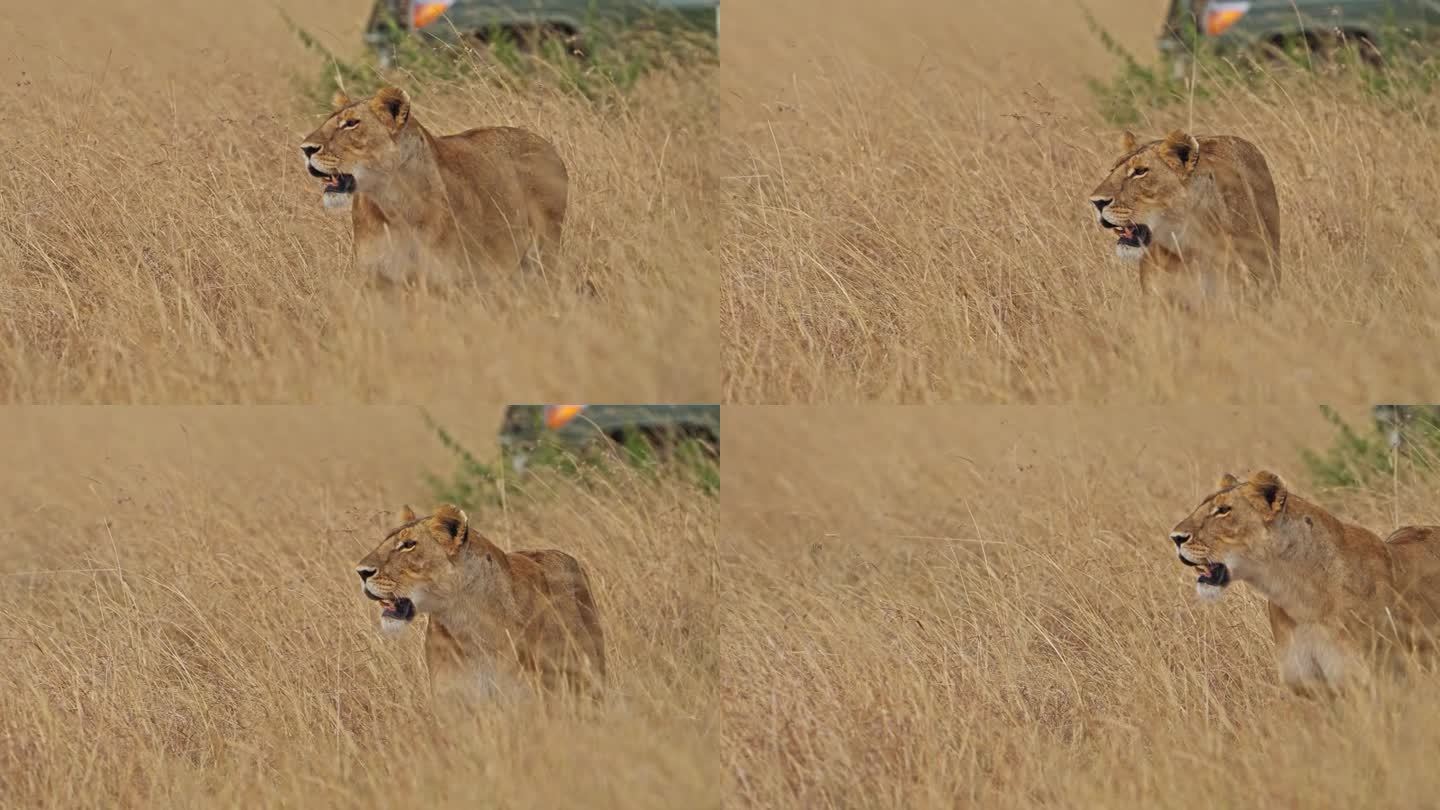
{"x": 392, "y": 105}
{"x": 340, "y": 101}
{"x": 451, "y": 521}
{"x": 405, "y": 515}
{"x": 1181, "y": 150}
{"x": 1270, "y": 488}
{"x": 1127, "y": 141}
{"x": 1227, "y": 481}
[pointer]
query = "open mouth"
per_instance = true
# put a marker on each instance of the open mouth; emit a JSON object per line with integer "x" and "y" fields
{"x": 1211, "y": 573}
{"x": 398, "y": 608}
{"x": 335, "y": 183}
{"x": 401, "y": 609}
{"x": 1135, "y": 235}
{"x": 1214, "y": 574}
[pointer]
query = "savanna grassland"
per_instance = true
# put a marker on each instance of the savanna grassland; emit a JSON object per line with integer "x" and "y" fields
{"x": 160, "y": 241}
{"x": 978, "y": 606}
{"x": 184, "y": 628}
{"x": 907, "y": 186}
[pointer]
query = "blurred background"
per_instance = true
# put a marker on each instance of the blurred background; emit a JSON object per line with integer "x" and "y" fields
{"x": 184, "y": 627}
{"x": 907, "y": 185}
{"x": 160, "y": 241}
{"x": 971, "y": 606}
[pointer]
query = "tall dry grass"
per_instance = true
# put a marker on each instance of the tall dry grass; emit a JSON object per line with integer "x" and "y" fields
{"x": 183, "y": 627}
{"x": 909, "y": 220}
{"x": 979, "y": 607}
{"x": 160, "y": 241}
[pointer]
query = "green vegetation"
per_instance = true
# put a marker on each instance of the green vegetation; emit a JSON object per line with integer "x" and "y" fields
{"x": 1405, "y": 82}
{"x": 1135, "y": 87}
{"x": 1362, "y": 460}
{"x": 615, "y": 58}
{"x": 474, "y": 483}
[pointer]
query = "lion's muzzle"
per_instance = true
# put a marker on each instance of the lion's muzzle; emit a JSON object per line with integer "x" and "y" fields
{"x": 395, "y": 608}
{"x": 338, "y": 185}
{"x": 1212, "y": 574}
{"x": 398, "y": 609}
{"x": 1215, "y": 575}
{"x": 1130, "y": 236}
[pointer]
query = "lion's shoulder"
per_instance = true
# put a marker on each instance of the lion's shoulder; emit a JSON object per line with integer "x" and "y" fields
{"x": 1235, "y": 163}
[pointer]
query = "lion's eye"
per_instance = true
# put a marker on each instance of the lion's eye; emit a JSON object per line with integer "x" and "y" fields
{"x": 1222, "y": 510}
{"x": 351, "y": 124}
{"x": 1139, "y": 171}
{"x": 407, "y": 545}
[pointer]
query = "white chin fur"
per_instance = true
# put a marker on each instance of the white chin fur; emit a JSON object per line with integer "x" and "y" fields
{"x": 393, "y": 627}
{"x": 1130, "y": 253}
{"x": 334, "y": 201}
{"x": 1208, "y": 593}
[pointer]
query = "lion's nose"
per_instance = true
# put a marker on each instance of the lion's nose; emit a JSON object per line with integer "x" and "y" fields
{"x": 365, "y": 572}
{"x": 1178, "y": 537}
{"x": 309, "y": 149}
{"x": 1100, "y": 203}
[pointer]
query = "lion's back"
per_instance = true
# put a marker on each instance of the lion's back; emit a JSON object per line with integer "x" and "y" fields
{"x": 1416, "y": 548}
{"x": 1243, "y": 178}
{"x": 562, "y": 580}
{"x": 1415, "y": 554}
{"x": 486, "y": 155}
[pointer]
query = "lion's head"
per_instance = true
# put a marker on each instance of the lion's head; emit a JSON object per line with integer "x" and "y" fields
{"x": 359, "y": 142}
{"x": 417, "y": 567}
{"x": 1230, "y": 530}
{"x": 1145, "y": 196}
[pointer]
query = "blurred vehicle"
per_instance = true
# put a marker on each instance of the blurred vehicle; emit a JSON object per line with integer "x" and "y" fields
{"x": 1407, "y": 425}
{"x": 575, "y": 428}
{"x": 1236, "y": 25}
{"x": 527, "y": 21}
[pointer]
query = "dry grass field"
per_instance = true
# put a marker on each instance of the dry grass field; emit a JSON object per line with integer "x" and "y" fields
{"x": 160, "y": 241}
{"x": 978, "y": 606}
{"x": 909, "y": 222}
{"x": 183, "y": 626}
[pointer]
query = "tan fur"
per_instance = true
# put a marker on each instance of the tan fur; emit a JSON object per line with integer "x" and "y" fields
{"x": 1338, "y": 595}
{"x": 497, "y": 623}
{"x": 425, "y": 206}
{"x": 1211, "y": 208}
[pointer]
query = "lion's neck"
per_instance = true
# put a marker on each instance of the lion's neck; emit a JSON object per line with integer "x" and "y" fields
{"x": 401, "y": 190}
{"x": 481, "y": 607}
{"x": 1307, "y": 562}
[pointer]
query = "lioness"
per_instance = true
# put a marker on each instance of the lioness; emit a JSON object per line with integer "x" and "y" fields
{"x": 1336, "y": 592}
{"x": 1192, "y": 210}
{"x": 427, "y": 205}
{"x": 497, "y": 621}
